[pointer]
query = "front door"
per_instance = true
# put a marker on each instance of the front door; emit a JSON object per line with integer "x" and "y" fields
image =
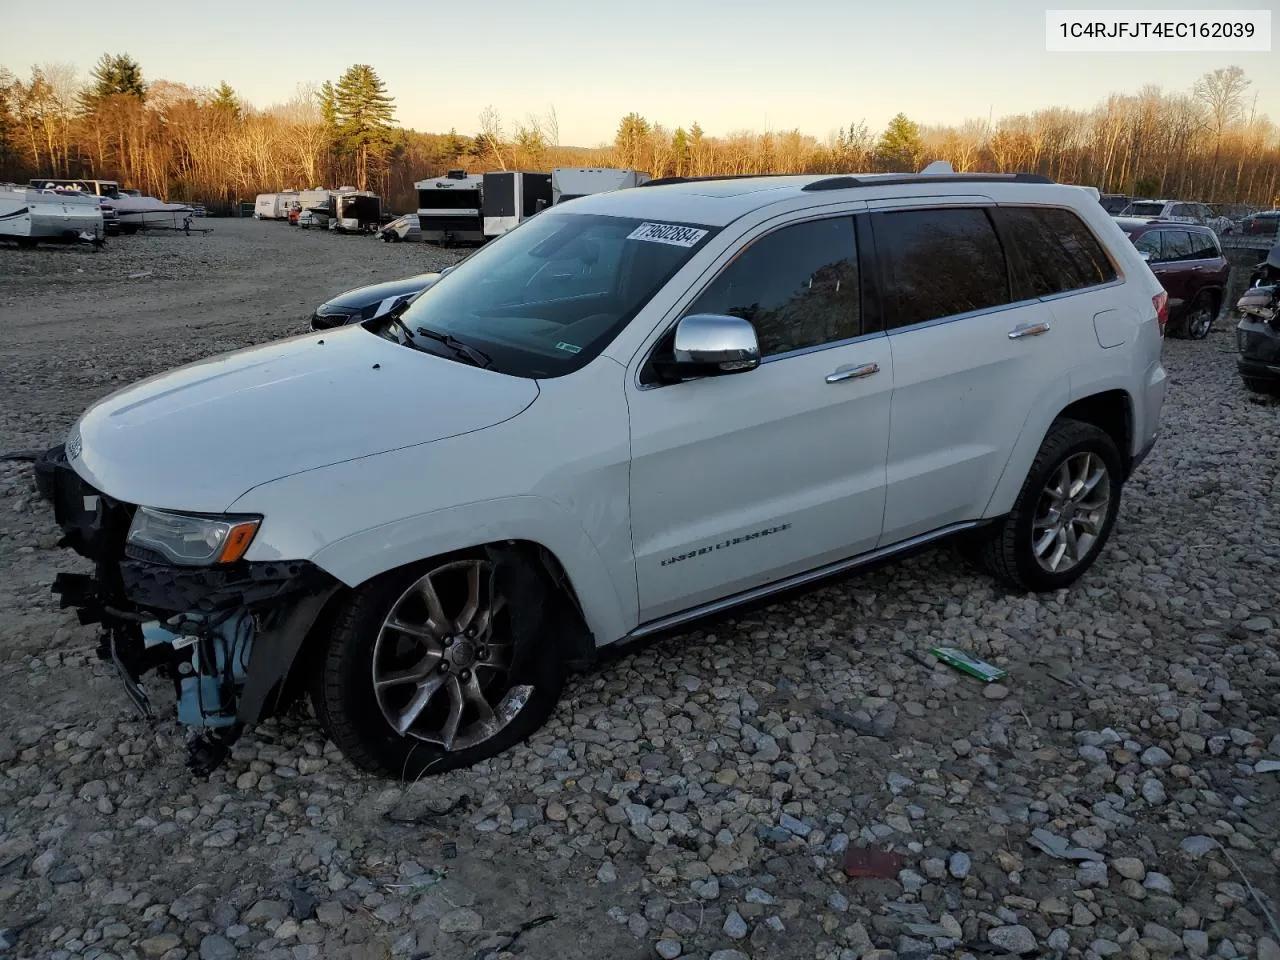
{"x": 744, "y": 479}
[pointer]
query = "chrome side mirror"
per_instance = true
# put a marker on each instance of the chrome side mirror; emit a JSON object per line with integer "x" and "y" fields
{"x": 710, "y": 344}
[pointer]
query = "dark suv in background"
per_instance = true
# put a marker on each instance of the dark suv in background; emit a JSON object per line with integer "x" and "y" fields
{"x": 1187, "y": 260}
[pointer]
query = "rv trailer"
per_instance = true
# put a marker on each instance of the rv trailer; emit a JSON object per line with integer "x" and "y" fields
{"x": 355, "y": 211}
{"x": 569, "y": 183}
{"x": 449, "y": 208}
{"x": 510, "y": 196}
{"x": 273, "y": 206}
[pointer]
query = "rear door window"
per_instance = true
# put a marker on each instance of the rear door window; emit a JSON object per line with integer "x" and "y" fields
{"x": 938, "y": 263}
{"x": 1055, "y": 251}
{"x": 1177, "y": 245}
{"x": 1203, "y": 246}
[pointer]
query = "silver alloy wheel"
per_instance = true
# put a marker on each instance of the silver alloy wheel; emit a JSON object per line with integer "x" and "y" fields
{"x": 1071, "y": 512}
{"x": 1199, "y": 321}
{"x": 439, "y": 667}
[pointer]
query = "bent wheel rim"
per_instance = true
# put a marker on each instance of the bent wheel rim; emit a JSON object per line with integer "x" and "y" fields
{"x": 442, "y": 659}
{"x": 1071, "y": 512}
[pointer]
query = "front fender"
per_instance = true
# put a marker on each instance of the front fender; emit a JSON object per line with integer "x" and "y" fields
{"x": 361, "y": 556}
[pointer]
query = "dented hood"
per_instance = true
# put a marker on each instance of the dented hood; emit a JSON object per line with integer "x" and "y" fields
{"x": 198, "y": 437}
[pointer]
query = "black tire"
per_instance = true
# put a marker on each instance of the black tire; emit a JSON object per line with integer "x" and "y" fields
{"x": 1193, "y": 325}
{"x": 1266, "y": 387}
{"x": 1005, "y": 549}
{"x": 342, "y": 689}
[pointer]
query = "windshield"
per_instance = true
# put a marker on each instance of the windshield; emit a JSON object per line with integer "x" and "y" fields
{"x": 547, "y": 297}
{"x": 1143, "y": 210}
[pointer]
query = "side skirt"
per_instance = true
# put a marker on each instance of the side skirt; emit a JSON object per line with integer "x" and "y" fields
{"x": 796, "y": 581}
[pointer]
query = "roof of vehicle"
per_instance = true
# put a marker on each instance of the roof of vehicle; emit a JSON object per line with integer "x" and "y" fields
{"x": 1142, "y": 224}
{"x": 1266, "y": 213}
{"x": 717, "y": 201}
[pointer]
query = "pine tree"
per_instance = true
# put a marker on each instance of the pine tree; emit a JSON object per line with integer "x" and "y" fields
{"x": 113, "y": 75}
{"x": 363, "y": 114}
{"x": 225, "y": 101}
{"x": 680, "y": 152}
{"x": 632, "y": 138}
{"x": 900, "y": 147}
{"x": 454, "y": 145}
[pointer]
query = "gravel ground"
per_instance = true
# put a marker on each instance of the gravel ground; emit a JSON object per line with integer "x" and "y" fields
{"x": 1115, "y": 796}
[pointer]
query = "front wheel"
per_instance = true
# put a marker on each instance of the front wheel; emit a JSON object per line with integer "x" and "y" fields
{"x": 1064, "y": 512}
{"x": 440, "y": 665}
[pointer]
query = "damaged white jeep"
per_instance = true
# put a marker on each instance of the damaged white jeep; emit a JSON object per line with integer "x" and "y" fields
{"x": 635, "y": 410}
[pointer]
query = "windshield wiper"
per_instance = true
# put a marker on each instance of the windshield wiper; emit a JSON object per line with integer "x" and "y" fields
{"x": 462, "y": 350}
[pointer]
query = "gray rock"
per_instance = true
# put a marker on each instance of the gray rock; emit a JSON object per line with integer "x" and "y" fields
{"x": 1092, "y": 874}
{"x": 728, "y": 955}
{"x": 216, "y": 947}
{"x": 1197, "y": 846}
{"x": 838, "y": 902}
{"x": 1196, "y": 942}
{"x": 756, "y": 895}
{"x": 607, "y": 872}
{"x": 959, "y": 865}
{"x": 1268, "y": 949}
{"x": 1059, "y": 941}
{"x": 461, "y": 920}
{"x": 668, "y": 949}
{"x": 1158, "y": 882}
{"x": 793, "y": 825}
{"x": 995, "y": 691}
{"x": 1014, "y": 938}
{"x": 1095, "y": 755}
{"x": 1153, "y": 791}
{"x": 1156, "y": 757}
{"x": 735, "y": 928}
{"x": 1131, "y": 868}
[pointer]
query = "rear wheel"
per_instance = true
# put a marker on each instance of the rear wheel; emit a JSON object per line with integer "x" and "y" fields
{"x": 1064, "y": 512}
{"x": 1200, "y": 317}
{"x": 441, "y": 665}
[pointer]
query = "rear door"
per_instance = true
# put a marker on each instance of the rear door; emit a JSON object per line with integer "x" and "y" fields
{"x": 967, "y": 360}
{"x": 1173, "y": 270}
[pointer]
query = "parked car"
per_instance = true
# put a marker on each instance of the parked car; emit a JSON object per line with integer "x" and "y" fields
{"x": 1180, "y": 211}
{"x": 631, "y": 412}
{"x": 406, "y": 228}
{"x": 1263, "y": 224}
{"x": 1188, "y": 261}
{"x": 1258, "y": 331}
{"x": 1113, "y": 203}
{"x": 369, "y": 302}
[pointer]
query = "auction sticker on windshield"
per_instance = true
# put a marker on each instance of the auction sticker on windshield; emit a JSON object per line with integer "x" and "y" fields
{"x": 667, "y": 233}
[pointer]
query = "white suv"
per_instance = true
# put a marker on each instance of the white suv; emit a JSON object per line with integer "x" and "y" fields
{"x": 1179, "y": 212}
{"x": 635, "y": 409}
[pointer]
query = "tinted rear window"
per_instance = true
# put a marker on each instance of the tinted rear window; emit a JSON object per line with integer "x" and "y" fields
{"x": 938, "y": 263}
{"x": 1055, "y": 251}
{"x": 1144, "y": 209}
{"x": 1203, "y": 246}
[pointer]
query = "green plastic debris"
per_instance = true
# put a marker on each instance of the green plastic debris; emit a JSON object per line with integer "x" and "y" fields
{"x": 963, "y": 662}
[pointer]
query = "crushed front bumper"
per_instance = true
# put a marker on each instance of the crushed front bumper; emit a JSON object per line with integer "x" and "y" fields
{"x": 177, "y": 620}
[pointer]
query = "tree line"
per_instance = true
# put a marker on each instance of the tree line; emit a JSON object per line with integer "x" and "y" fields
{"x": 208, "y": 145}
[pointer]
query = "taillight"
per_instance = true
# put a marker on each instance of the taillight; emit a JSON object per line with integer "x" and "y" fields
{"x": 1161, "y": 302}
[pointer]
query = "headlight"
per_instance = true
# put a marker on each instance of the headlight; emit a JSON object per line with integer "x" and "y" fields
{"x": 192, "y": 540}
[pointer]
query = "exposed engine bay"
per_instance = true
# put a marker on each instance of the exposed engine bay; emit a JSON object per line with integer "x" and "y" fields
{"x": 225, "y": 637}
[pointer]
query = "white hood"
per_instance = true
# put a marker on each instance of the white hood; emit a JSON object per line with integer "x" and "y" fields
{"x": 198, "y": 437}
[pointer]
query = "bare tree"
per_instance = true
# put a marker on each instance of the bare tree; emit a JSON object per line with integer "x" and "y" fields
{"x": 492, "y": 136}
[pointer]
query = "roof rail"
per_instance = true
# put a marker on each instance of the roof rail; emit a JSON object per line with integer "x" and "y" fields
{"x": 845, "y": 182}
{"x": 660, "y": 181}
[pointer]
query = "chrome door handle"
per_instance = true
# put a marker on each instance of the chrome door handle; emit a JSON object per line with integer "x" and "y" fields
{"x": 850, "y": 372}
{"x": 1028, "y": 330}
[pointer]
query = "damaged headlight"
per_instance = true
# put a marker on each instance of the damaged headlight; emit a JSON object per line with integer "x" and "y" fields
{"x": 191, "y": 540}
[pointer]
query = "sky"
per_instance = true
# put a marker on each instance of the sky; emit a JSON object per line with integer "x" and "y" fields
{"x": 816, "y": 65}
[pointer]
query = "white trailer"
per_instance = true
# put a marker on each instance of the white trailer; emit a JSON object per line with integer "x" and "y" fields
{"x": 449, "y": 208}
{"x": 569, "y": 183}
{"x": 510, "y": 196}
{"x": 272, "y": 206}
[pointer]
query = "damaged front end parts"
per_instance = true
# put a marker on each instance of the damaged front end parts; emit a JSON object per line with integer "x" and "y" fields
{"x": 172, "y": 594}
